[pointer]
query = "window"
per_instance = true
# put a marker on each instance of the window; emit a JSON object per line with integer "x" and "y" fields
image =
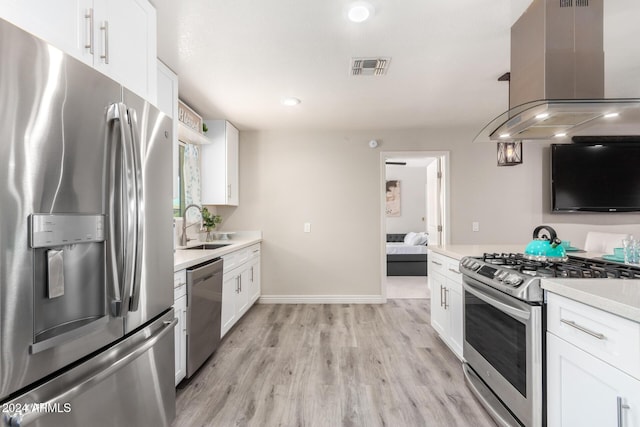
{"x": 188, "y": 181}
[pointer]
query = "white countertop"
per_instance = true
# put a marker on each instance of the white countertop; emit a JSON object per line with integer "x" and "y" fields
{"x": 184, "y": 258}
{"x": 617, "y": 296}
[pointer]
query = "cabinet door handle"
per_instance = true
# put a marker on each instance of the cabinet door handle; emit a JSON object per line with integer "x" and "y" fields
{"x": 89, "y": 36}
{"x": 441, "y": 299}
{"x": 105, "y": 51}
{"x": 446, "y": 306}
{"x": 237, "y": 284}
{"x": 583, "y": 329}
{"x": 454, "y": 271}
{"x": 229, "y": 191}
{"x": 621, "y": 406}
{"x": 252, "y": 274}
{"x": 437, "y": 263}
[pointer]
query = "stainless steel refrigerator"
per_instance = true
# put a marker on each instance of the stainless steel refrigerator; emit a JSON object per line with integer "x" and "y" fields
{"x": 86, "y": 261}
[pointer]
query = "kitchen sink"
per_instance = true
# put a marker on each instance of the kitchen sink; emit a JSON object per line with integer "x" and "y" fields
{"x": 209, "y": 246}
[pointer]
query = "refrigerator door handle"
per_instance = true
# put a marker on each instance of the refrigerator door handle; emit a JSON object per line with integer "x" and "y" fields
{"x": 139, "y": 199}
{"x": 122, "y": 267}
{"x": 74, "y": 390}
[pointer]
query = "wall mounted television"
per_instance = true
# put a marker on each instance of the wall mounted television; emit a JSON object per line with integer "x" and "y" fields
{"x": 595, "y": 177}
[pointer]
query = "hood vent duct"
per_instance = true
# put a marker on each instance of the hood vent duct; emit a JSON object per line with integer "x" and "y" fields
{"x": 557, "y": 81}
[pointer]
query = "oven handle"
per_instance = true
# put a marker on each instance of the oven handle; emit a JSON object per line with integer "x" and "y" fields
{"x": 503, "y": 305}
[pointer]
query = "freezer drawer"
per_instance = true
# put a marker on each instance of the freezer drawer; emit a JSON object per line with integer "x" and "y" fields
{"x": 129, "y": 384}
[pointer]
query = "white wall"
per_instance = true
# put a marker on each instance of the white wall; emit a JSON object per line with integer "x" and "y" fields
{"x": 331, "y": 179}
{"x": 412, "y": 198}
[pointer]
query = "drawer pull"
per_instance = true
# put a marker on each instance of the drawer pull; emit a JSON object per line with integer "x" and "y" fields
{"x": 583, "y": 329}
{"x": 105, "y": 49}
{"x": 621, "y": 406}
{"x": 436, "y": 263}
{"x": 89, "y": 17}
{"x": 454, "y": 271}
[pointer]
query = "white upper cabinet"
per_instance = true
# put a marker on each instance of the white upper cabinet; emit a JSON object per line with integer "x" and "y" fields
{"x": 117, "y": 37}
{"x": 168, "y": 104}
{"x": 126, "y": 44}
{"x": 220, "y": 165}
{"x": 62, "y": 24}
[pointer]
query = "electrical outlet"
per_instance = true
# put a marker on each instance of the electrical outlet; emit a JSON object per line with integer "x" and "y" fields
{"x": 307, "y": 227}
{"x": 475, "y": 226}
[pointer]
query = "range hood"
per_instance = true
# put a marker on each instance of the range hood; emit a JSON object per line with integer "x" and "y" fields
{"x": 557, "y": 77}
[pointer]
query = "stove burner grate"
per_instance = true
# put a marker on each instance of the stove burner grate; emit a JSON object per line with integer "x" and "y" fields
{"x": 572, "y": 268}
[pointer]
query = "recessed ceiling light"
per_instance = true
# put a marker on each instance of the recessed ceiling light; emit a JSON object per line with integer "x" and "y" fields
{"x": 505, "y": 135}
{"x": 291, "y": 101}
{"x": 560, "y": 135}
{"x": 360, "y": 11}
{"x": 542, "y": 116}
{"x": 608, "y": 116}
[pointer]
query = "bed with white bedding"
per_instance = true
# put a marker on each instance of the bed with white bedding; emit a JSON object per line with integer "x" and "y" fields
{"x": 407, "y": 254}
{"x": 397, "y": 248}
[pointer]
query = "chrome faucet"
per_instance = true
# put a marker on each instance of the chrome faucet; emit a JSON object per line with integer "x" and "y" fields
{"x": 183, "y": 238}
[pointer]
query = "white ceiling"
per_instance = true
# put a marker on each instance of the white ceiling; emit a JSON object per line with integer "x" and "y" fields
{"x": 236, "y": 59}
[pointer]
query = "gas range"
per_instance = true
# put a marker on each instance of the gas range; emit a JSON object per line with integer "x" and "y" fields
{"x": 520, "y": 277}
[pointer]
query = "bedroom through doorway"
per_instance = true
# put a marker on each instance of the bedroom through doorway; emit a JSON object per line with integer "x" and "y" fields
{"x": 413, "y": 217}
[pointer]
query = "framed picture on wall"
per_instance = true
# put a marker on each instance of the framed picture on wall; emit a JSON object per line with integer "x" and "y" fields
{"x": 393, "y": 198}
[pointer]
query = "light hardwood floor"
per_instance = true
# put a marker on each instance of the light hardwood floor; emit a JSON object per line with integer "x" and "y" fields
{"x": 331, "y": 365}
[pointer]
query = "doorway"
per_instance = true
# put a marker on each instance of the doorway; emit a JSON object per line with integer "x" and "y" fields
{"x": 414, "y": 215}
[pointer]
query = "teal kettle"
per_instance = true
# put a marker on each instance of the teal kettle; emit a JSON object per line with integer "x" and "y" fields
{"x": 545, "y": 246}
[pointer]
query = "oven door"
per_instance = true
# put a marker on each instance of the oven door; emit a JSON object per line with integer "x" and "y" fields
{"x": 503, "y": 345}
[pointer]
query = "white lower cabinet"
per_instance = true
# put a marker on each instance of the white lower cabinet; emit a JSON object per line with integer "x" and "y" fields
{"x": 229, "y": 292}
{"x": 254, "y": 278}
{"x": 455, "y": 305}
{"x": 582, "y": 390}
{"x": 180, "y": 331}
{"x": 445, "y": 282}
{"x": 439, "y": 315}
{"x": 240, "y": 285}
{"x": 592, "y": 366}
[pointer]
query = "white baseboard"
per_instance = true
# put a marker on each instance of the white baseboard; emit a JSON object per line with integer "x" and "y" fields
{"x": 322, "y": 299}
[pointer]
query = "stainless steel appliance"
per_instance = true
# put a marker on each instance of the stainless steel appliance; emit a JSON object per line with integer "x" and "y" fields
{"x": 504, "y": 329}
{"x": 204, "y": 310}
{"x": 557, "y": 74}
{"x": 85, "y": 236}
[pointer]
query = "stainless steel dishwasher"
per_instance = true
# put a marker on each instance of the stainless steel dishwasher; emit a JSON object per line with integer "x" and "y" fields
{"x": 204, "y": 307}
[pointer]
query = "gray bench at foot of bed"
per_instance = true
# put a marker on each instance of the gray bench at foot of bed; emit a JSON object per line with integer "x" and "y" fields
{"x": 407, "y": 265}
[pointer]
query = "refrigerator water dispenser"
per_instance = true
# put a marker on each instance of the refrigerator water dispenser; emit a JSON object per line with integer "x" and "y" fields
{"x": 69, "y": 277}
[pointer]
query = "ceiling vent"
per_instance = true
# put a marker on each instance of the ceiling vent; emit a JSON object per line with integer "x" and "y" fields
{"x": 369, "y": 66}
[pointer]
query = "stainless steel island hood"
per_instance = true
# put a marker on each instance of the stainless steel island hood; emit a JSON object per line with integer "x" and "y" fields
{"x": 557, "y": 77}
